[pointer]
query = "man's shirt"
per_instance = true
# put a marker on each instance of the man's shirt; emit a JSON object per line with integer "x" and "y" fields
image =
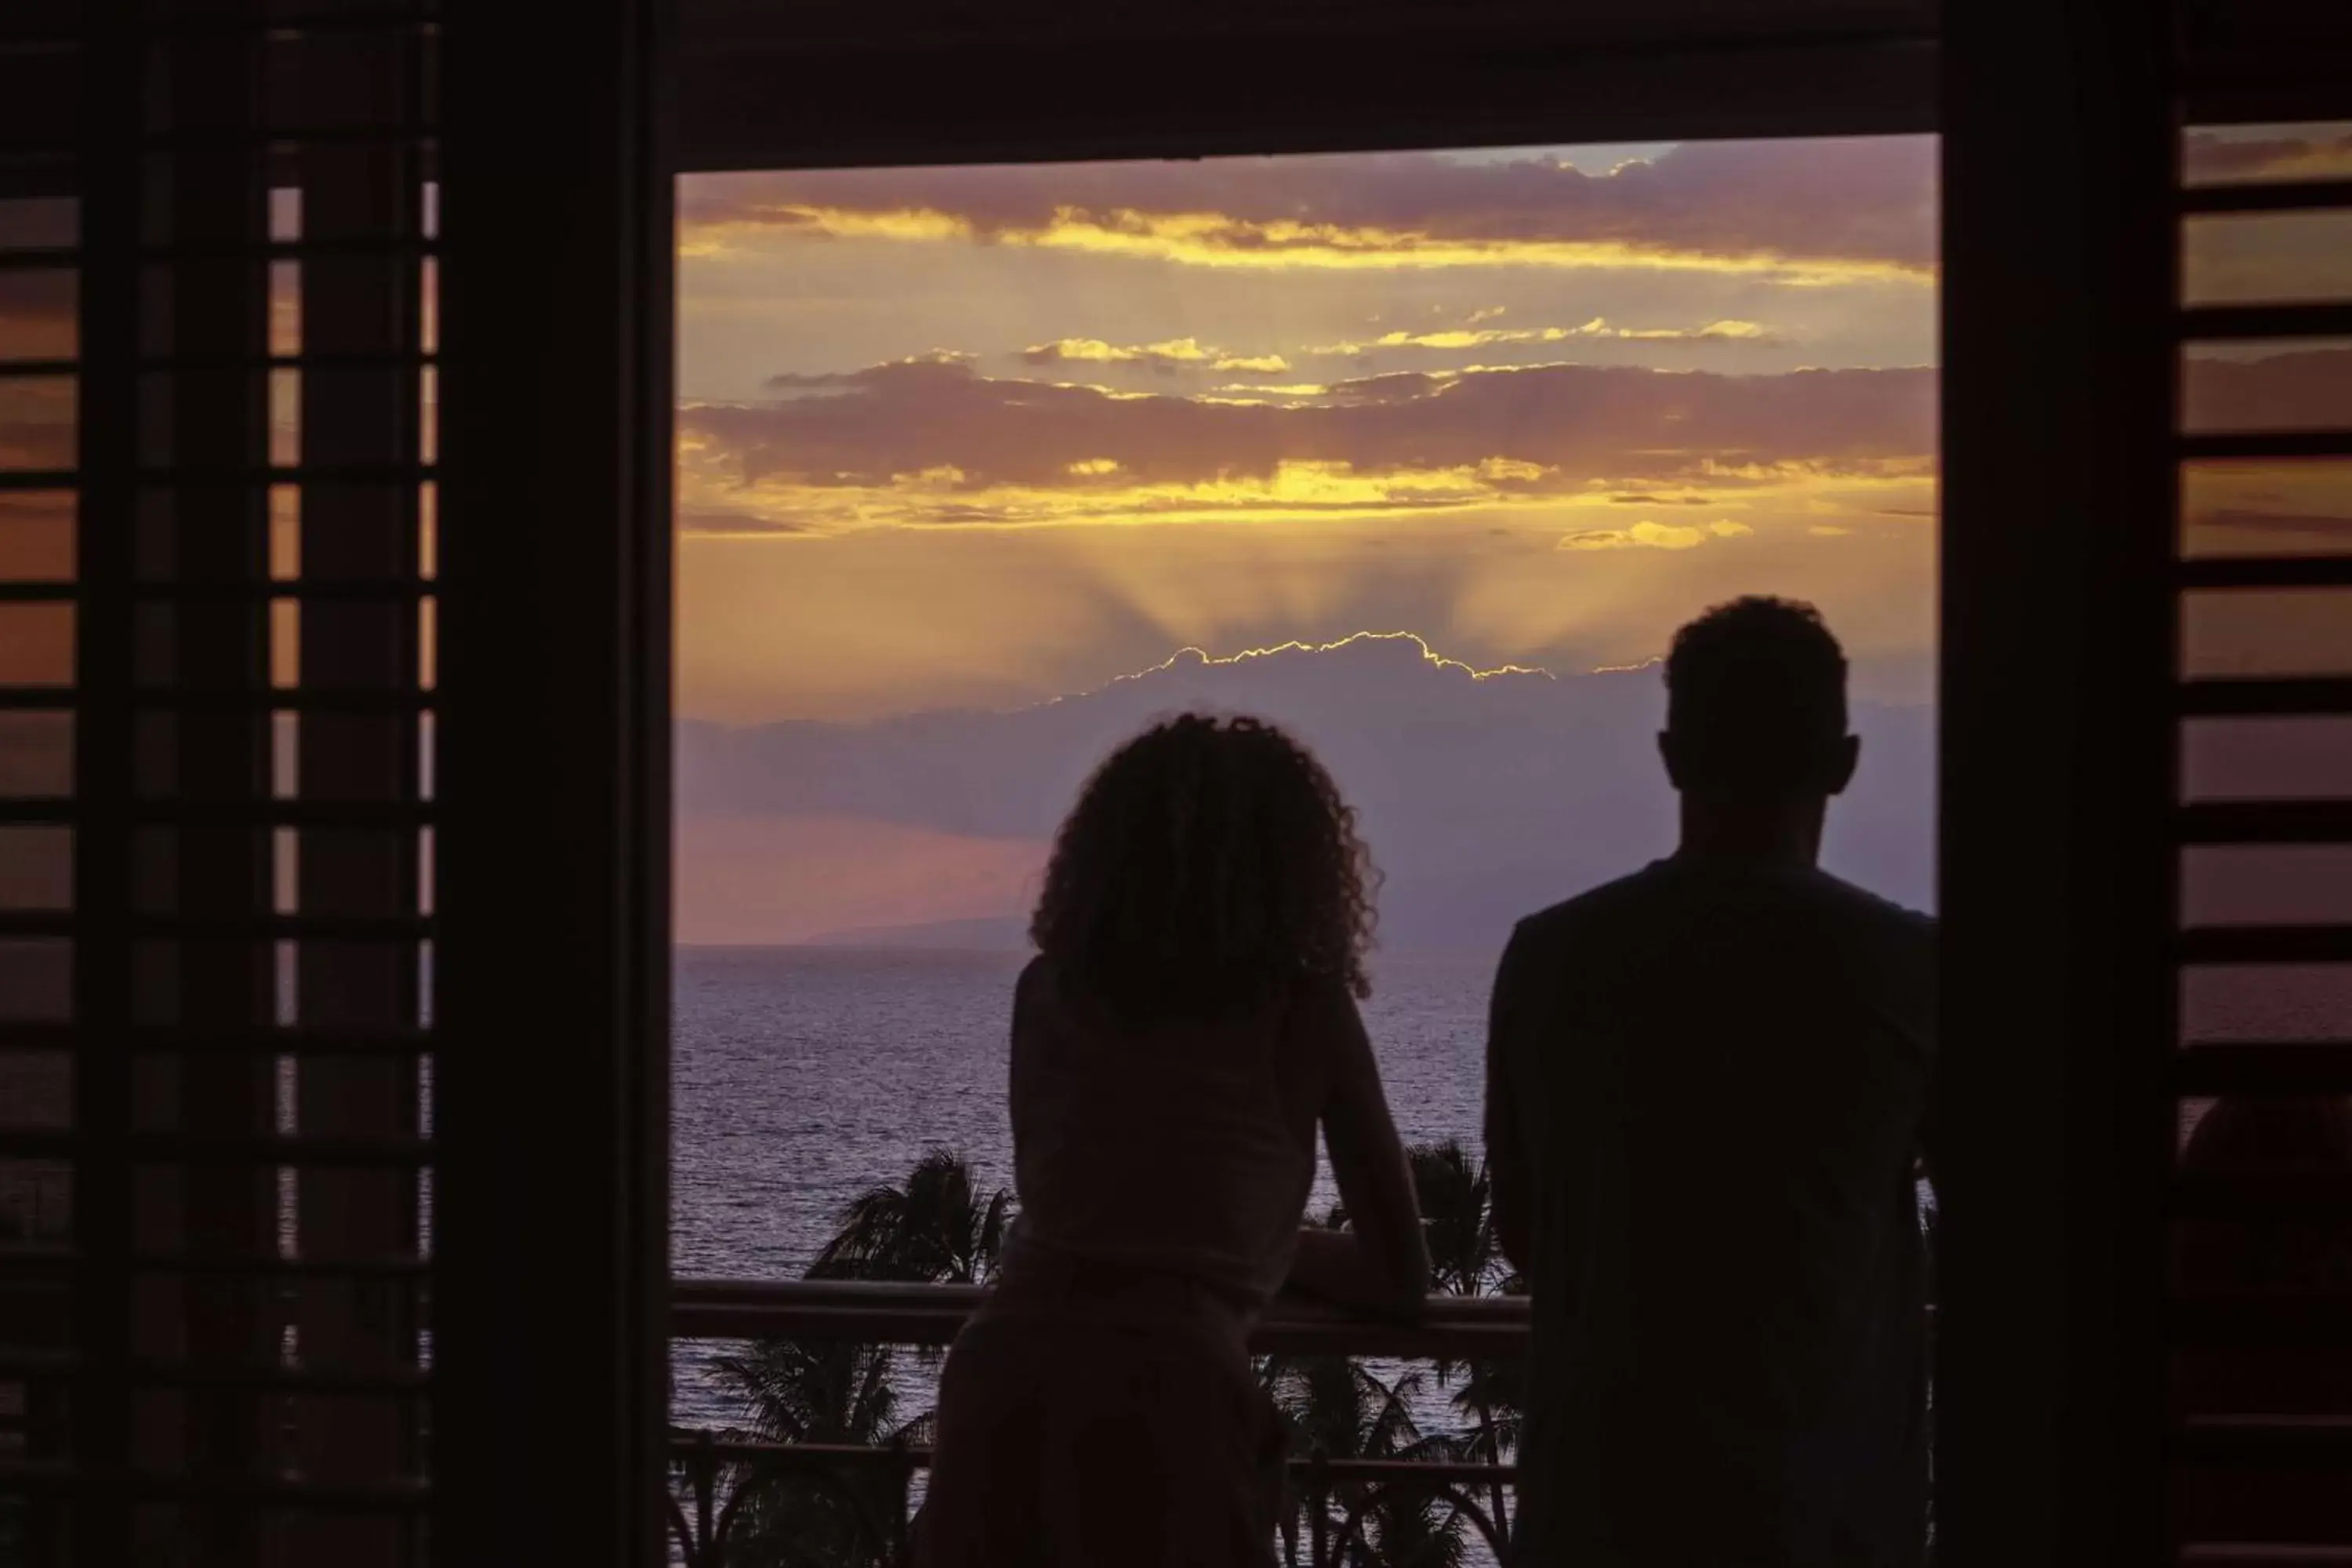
{"x": 1711, "y": 1084}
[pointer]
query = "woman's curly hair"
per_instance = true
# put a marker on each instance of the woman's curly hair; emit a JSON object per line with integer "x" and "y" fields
{"x": 1209, "y": 865}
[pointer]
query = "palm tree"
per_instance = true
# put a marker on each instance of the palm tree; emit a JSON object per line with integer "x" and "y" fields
{"x": 801, "y": 1391}
{"x": 1457, "y": 1217}
{"x": 820, "y": 1392}
{"x": 1342, "y": 1409}
{"x": 934, "y": 1227}
{"x": 1466, "y": 1258}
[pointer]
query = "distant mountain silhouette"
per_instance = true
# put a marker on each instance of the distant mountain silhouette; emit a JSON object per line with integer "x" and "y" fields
{"x": 1004, "y": 933}
{"x": 1483, "y": 796}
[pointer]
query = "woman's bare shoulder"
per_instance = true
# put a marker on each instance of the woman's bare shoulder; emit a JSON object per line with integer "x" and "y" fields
{"x": 1035, "y": 973}
{"x": 1322, "y": 1005}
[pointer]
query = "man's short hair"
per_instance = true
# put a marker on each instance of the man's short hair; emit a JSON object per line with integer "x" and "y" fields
{"x": 1756, "y": 699}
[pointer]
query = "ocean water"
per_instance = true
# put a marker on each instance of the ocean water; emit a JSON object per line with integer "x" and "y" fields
{"x": 802, "y": 1076}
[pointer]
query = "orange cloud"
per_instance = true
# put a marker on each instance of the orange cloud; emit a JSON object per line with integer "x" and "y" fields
{"x": 1278, "y": 389}
{"x": 1858, "y": 209}
{"x": 1652, "y": 536}
{"x": 1223, "y": 240}
{"x": 1168, "y": 355}
{"x": 1598, "y": 327}
{"x": 938, "y": 444}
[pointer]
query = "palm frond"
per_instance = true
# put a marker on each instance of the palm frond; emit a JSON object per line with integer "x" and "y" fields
{"x": 932, "y": 1226}
{"x": 992, "y": 1231}
{"x": 1455, "y": 1195}
{"x": 808, "y": 1392}
{"x": 1392, "y": 1429}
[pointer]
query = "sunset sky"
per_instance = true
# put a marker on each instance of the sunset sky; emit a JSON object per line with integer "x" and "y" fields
{"x": 986, "y": 436}
{"x": 954, "y": 443}
{"x": 976, "y": 439}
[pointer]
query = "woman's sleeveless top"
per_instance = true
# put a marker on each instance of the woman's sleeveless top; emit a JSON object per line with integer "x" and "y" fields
{"x": 1166, "y": 1147}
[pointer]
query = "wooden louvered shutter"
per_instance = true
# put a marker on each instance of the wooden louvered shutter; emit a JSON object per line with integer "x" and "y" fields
{"x": 2259, "y": 1331}
{"x": 248, "y": 1034}
{"x": 2147, "y": 761}
{"x": 48, "y": 960}
{"x": 222, "y": 1006}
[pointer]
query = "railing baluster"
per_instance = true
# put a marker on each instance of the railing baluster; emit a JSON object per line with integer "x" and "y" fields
{"x": 1452, "y": 1328}
{"x": 1319, "y": 1519}
{"x": 904, "y": 1472}
{"x": 706, "y": 1484}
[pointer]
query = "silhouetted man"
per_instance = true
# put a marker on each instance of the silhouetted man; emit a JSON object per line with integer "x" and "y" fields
{"x": 1705, "y": 1089}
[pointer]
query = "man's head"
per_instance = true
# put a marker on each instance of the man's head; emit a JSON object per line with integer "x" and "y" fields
{"x": 1755, "y": 706}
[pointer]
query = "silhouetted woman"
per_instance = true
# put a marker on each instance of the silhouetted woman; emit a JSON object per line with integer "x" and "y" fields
{"x": 1189, "y": 1022}
{"x": 2270, "y": 1255}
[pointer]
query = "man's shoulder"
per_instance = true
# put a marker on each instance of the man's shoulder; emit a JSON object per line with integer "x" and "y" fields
{"x": 1601, "y": 908}
{"x": 1621, "y": 909}
{"x": 1895, "y": 923}
{"x": 1870, "y": 905}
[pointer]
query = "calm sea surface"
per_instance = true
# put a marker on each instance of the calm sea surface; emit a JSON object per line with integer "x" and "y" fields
{"x": 800, "y": 1076}
{"x": 803, "y": 1076}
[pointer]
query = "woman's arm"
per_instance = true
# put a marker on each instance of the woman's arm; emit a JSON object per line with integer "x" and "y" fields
{"x": 1509, "y": 1198}
{"x": 1382, "y": 1263}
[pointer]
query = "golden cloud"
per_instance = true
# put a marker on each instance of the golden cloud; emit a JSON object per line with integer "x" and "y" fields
{"x": 1295, "y": 490}
{"x": 1652, "y": 536}
{"x": 1223, "y": 240}
{"x": 1598, "y": 327}
{"x": 1168, "y": 355}
{"x": 1280, "y": 389}
{"x": 1859, "y": 208}
{"x": 929, "y": 443}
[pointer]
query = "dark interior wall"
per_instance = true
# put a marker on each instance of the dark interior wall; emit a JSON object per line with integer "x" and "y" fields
{"x": 939, "y": 83}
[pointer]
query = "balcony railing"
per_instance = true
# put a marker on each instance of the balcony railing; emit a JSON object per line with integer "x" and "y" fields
{"x": 875, "y": 1483}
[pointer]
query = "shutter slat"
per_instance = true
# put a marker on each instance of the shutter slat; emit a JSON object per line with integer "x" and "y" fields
{"x": 2277, "y": 1441}
{"x": 2215, "y": 698}
{"x": 2299, "y": 320}
{"x": 2316, "y": 1320}
{"x": 387, "y": 1153}
{"x": 2265, "y": 944}
{"x": 2264, "y": 444}
{"x": 301, "y": 812}
{"x": 2282, "y": 195}
{"x": 2295, "y": 1067}
{"x": 2266, "y": 822}
{"x": 2269, "y": 572}
{"x": 2240, "y": 1194}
